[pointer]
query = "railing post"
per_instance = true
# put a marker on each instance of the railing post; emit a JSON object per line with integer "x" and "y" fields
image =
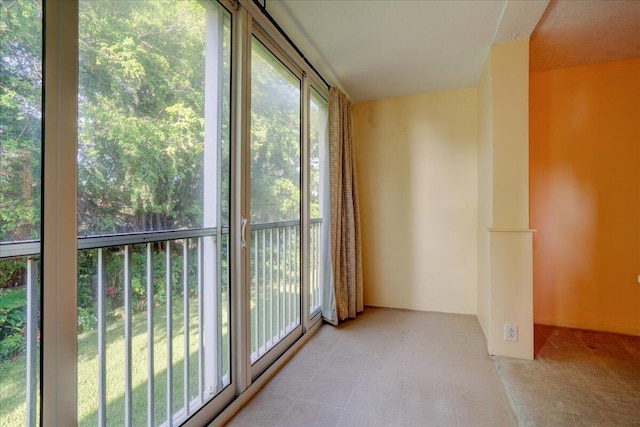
{"x": 264, "y": 291}
{"x": 185, "y": 314}
{"x": 102, "y": 341}
{"x": 150, "y": 340}
{"x": 32, "y": 345}
{"x": 128, "y": 392}
{"x": 271, "y": 331}
{"x": 169, "y": 325}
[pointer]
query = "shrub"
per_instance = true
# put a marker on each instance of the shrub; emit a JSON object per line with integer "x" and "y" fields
{"x": 12, "y": 323}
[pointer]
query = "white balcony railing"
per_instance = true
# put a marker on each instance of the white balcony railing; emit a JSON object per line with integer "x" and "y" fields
{"x": 190, "y": 268}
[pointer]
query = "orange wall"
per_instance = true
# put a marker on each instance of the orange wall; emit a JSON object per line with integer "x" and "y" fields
{"x": 585, "y": 195}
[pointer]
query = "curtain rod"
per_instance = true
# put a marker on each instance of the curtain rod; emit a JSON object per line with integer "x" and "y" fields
{"x": 263, "y": 9}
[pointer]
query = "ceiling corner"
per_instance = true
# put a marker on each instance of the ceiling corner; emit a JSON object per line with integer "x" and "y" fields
{"x": 519, "y": 19}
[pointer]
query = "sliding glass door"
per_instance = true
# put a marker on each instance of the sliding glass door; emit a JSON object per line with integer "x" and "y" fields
{"x": 135, "y": 296}
{"x": 275, "y": 177}
{"x": 153, "y": 210}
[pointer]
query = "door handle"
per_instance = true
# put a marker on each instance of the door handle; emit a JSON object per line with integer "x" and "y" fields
{"x": 242, "y": 238}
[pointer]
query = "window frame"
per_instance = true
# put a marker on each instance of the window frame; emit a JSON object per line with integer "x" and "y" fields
{"x": 59, "y": 241}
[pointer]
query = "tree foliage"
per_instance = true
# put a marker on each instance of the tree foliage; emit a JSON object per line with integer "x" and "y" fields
{"x": 20, "y": 119}
{"x": 275, "y": 139}
{"x": 141, "y": 109}
{"x": 141, "y": 121}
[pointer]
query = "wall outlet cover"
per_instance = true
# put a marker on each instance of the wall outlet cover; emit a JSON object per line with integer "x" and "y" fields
{"x": 510, "y": 332}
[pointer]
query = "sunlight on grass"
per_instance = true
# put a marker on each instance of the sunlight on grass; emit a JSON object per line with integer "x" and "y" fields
{"x": 13, "y": 405}
{"x": 12, "y": 392}
{"x": 88, "y": 367}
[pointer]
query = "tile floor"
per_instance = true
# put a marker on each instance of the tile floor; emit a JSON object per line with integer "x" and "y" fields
{"x": 579, "y": 378}
{"x": 389, "y": 368}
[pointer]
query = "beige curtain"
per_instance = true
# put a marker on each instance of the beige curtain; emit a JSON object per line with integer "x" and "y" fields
{"x": 345, "y": 215}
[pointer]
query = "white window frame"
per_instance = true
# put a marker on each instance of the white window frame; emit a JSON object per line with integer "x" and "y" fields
{"x": 59, "y": 209}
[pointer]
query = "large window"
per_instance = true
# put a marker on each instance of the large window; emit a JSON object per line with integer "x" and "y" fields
{"x": 20, "y": 195}
{"x": 167, "y": 267}
{"x": 153, "y": 176}
{"x": 275, "y": 200}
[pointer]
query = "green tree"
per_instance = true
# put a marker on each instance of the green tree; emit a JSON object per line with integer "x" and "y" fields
{"x": 275, "y": 139}
{"x": 141, "y": 120}
{"x": 20, "y": 118}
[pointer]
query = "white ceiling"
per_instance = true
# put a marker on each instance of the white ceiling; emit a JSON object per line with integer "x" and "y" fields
{"x": 386, "y": 48}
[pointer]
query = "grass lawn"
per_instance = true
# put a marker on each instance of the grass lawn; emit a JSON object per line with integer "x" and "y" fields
{"x": 264, "y": 322}
{"x": 12, "y": 375}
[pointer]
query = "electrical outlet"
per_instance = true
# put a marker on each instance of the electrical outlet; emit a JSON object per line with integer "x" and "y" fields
{"x": 510, "y": 332}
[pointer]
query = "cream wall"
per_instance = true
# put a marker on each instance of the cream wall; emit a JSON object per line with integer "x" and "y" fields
{"x": 485, "y": 197}
{"x": 505, "y": 293}
{"x": 417, "y": 164}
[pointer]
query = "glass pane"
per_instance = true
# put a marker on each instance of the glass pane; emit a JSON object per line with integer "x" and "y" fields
{"x": 153, "y": 155}
{"x": 318, "y": 195}
{"x": 20, "y": 195}
{"x": 275, "y": 201}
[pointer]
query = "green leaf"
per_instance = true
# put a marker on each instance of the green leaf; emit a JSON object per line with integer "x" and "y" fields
{"x": 13, "y": 299}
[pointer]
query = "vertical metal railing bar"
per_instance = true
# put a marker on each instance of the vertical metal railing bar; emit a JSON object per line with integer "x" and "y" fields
{"x": 291, "y": 276}
{"x": 278, "y": 281}
{"x": 313, "y": 264}
{"x": 150, "y": 341}
{"x": 285, "y": 282}
{"x": 128, "y": 411}
{"x": 227, "y": 278}
{"x": 319, "y": 264}
{"x": 218, "y": 287}
{"x": 298, "y": 275}
{"x": 316, "y": 275}
{"x": 201, "y": 349}
{"x": 292, "y": 269}
{"x": 271, "y": 332}
{"x": 296, "y": 280}
{"x": 169, "y": 326}
{"x": 32, "y": 345}
{"x": 296, "y": 271}
{"x": 264, "y": 289}
{"x": 311, "y": 268}
{"x": 185, "y": 313}
{"x": 290, "y": 281}
{"x": 102, "y": 341}
{"x": 285, "y": 275}
{"x": 254, "y": 284}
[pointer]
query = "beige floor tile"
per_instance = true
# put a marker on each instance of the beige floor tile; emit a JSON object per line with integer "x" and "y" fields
{"x": 309, "y": 359}
{"x": 290, "y": 381}
{"x": 265, "y": 409}
{"x": 482, "y": 415}
{"x": 427, "y": 387}
{"x": 383, "y": 370}
{"x": 328, "y": 390}
{"x": 352, "y": 347}
{"x": 418, "y": 410}
{"x": 379, "y": 400}
{"x": 311, "y": 414}
{"x": 346, "y": 368}
{"x": 359, "y": 419}
{"x": 387, "y": 367}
